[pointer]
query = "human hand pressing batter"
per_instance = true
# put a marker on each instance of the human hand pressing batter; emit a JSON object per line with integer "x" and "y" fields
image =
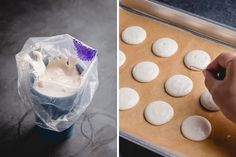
{"x": 223, "y": 91}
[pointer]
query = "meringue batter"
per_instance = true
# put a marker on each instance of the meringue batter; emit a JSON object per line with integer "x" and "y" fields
{"x": 60, "y": 78}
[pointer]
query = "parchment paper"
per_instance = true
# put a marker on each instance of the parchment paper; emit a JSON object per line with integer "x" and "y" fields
{"x": 222, "y": 141}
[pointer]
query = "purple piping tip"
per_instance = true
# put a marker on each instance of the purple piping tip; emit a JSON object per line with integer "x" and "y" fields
{"x": 84, "y": 52}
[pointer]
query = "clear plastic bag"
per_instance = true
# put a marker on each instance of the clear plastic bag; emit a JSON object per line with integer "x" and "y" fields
{"x": 45, "y": 66}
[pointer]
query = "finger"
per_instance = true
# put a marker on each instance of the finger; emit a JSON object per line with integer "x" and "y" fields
{"x": 210, "y": 81}
{"x": 221, "y": 61}
{"x": 231, "y": 71}
{"x": 214, "y": 65}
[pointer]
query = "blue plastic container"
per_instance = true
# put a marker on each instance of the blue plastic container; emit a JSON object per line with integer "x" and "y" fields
{"x": 53, "y": 135}
{"x": 55, "y": 107}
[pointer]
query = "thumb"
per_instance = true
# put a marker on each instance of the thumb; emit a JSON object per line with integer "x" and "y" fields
{"x": 210, "y": 81}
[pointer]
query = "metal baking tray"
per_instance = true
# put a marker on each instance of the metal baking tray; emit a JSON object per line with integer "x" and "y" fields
{"x": 185, "y": 20}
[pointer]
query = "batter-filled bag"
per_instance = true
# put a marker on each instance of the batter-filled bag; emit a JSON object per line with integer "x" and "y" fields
{"x": 58, "y": 77}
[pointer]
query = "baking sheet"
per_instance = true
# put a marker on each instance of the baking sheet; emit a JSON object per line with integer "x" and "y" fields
{"x": 184, "y": 19}
{"x": 222, "y": 141}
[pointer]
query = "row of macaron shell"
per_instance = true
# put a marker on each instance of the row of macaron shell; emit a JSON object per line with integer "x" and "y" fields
{"x": 148, "y": 71}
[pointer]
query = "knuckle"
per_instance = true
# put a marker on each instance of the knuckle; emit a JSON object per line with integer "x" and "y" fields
{"x": 224, "y": 53}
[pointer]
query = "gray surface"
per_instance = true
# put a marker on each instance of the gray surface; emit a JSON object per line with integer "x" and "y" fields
{"x": 93, "y": 22}
{"x": 222, "y": 11}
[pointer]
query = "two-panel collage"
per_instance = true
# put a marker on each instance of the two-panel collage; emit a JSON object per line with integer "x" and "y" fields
{"x": 117, "y": 78}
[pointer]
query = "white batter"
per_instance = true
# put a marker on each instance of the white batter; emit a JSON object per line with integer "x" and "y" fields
{"x": 196, "y": 128}
{"x": 36, "y": 62}
{"x": 145, "y": 71}
{"x": 207, "y": 102}
{"x": 158, "y": 112}
{"x": 164, "y": 47}
{"x": 178, "y": 85}
{"x": 59, "y": 78}
{"x": 197, "y": 58}
{"x": 128, "y": 98}
{"x": 122, "y": 58}
{"x": 134, "y": 35}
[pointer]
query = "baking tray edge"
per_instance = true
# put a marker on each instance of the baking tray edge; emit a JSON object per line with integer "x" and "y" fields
{"x": 144, "y": 144}
{"x": 185, "y": 20}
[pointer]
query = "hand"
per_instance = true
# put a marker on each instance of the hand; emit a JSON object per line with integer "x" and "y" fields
{"x": 223, "y": 91}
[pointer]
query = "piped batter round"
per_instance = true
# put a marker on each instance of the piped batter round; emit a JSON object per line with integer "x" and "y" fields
{"x": 122, "y": 58}
{"x": 158, "y": 112}
{"x": 196, "y": 128}
{"x": 145, "y": 71}
{"x": 197, "y": 60}
{"x": 164, "y": 47}
{"x": 207, "y": 102}
{"x": 134, "y": 35}
{"x": 128, "y": 98}
{"x": 178, "y": 85}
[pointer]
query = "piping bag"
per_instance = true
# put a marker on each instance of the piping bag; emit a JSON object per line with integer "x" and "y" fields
{"x": 56, "y": 114}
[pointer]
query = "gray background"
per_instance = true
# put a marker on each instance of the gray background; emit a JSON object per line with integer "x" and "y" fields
{"x": 222, "y": 11}
{"x": 91, "y": 21}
